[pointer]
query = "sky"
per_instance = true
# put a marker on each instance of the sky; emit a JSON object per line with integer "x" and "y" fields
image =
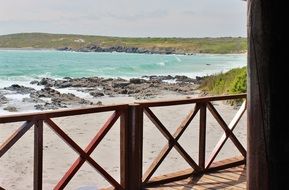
{"x": 131, "y": 18}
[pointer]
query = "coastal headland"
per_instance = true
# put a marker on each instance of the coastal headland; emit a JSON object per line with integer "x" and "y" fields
{"x": 89, "y": 43}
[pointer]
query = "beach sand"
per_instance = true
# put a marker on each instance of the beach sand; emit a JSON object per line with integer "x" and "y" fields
{"x": 16, "y": 165}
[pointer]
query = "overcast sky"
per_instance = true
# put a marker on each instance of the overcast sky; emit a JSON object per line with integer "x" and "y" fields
{"x": 162, "y": 18}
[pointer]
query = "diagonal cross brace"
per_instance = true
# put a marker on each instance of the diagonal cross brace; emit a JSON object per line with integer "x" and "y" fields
{"x": 228, "y": 132}
{"x": 172, "y": 141}
{"x": 15, "y": 137}
{"x": 85, "y": 154}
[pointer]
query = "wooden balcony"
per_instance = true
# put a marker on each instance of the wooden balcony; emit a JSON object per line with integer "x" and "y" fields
{"x": 204, "y": 172}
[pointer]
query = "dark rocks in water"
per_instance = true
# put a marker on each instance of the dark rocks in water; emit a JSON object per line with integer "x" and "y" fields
{"x": 139, "y": 88}
{"x": 20, "y": 89}
{"x": 11, "y": 109}
{"x": 65, "y": 84}
{"x": 96, "y": 94}
{"x": 34, "y": 82}
{"x": 119, "y": 48}
{"x": 137, "y": 81}
{"x": 182, "y": 78}
{"x": 67, "y": 78}
{"x": 48, "y": 82}
{"x": 63, "y": 49}
{"x": 3, "y": 100}
{"x": 32, "y": 100}
{"x": 56, "y": 96}
{"x": 120, "y": 84}
{"x": 47, "y": 92}
{"x": 49, "y": 106}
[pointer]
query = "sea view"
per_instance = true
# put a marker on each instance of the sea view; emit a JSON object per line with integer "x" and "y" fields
{"x": 133, "y": 95}
{"x": 23, "y": 66}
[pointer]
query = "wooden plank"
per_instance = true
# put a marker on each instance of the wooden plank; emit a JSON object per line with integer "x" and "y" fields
{"x": 199, "y": 181}
{"x": 38, "y": 155}
{"x": 171, "y": 177}
{"x": 223, "y": 180}
{"x": 15, "y": 137}
{"x": 224, "y": 137}
{"x": 208, "y": 183}
{"x": 190, "y": 100}
{"x": 202, "y": 136}
{"x": 225, "y": 166}
{"x": 124, "y": 149}
{"x": 60, "y": 113}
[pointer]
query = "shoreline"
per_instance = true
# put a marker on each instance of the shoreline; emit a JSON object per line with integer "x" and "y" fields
{"x": 52, "y": 94}
{"x": 55, "y": 49}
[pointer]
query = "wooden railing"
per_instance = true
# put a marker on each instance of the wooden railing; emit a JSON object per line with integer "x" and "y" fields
{"x": 131, "y": 145}
{"x": 37, "y": 121}
{"x": 202, "y": 165}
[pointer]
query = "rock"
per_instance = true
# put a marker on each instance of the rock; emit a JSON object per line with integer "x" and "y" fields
{"x": 64, "y": 84}
{"x": 99, "y": 103}
{"x": 63, "y": 49}
{"x": 20, "y": 89}
{"x": 48, "y": 82}
{"x": 184, "y": 79}
{"x": 47, "y": 92}
{"x": 120, "y": 84}
{"x": 67, "y": 78}
{"x": 11, "y": 109}
{"x": 96, "y": 94}
{"x": 49, "y": 106}
{"x": 3, "y": 99}
{"x": 34, "y": 82}
{"x": 106, "y": 80}
{"x": 137, "y": 80}
{"x": 32, "y": 100}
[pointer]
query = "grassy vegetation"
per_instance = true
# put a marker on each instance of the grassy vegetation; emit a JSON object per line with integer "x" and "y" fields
{"x": 180, "y": 45}
{"x": 231, "y": 82}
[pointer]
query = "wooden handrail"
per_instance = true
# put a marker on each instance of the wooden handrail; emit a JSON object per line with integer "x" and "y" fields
{"x": 60, "y": 113}
{"x": 161, "y": 103}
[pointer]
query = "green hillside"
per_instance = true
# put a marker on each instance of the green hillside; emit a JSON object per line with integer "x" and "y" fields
{"x": 75, "y": 42}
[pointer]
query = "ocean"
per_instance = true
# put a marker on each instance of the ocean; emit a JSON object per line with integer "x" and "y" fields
{"x": 23, "y": 66}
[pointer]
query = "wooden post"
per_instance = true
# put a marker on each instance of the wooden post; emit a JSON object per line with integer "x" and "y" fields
{"x": 202, "y": 136}
{"x": 38, "y": 155}
{"x": 268, "y": 126}
{"x": 132, "y": 148}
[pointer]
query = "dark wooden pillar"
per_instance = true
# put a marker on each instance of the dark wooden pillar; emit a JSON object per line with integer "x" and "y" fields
{"x": 268, "y": 123}
{"x": 132, "y": 148}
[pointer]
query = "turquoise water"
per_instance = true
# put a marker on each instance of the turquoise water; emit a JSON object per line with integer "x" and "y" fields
{"x": 27, "y": 65}
{"x": 23, "y": 66}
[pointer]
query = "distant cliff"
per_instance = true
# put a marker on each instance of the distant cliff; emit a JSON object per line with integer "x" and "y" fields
{"x": 87, "y": 43}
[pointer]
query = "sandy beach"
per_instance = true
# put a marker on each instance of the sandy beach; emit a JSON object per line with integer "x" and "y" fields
{"x": 16, "y": 165}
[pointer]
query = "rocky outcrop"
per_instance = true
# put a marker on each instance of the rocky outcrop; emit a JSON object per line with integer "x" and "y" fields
{"x": 3, "y": 100}
{"x": 11, "y": 109}
{"x": 145, "y": 87}
{"x": 117, "y": 48}
{"x": 20, "y": 89}
{"x": 141, "y": 88}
